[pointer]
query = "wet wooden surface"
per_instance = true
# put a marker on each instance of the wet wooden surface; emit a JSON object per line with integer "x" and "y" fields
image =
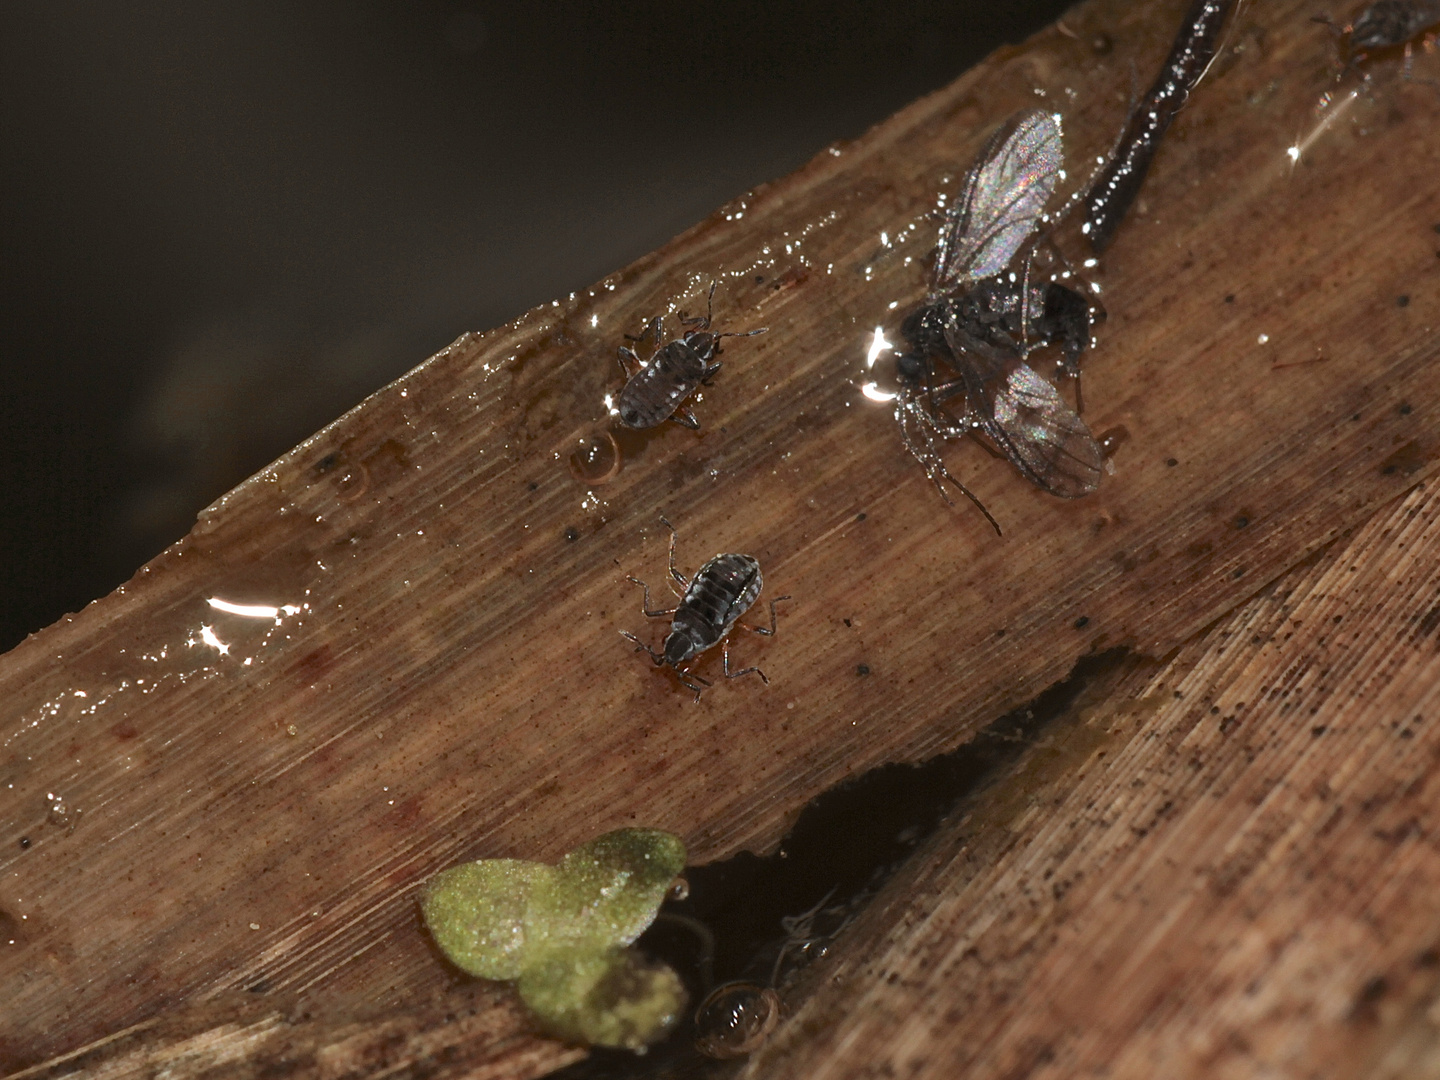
{"x": 476, "y": 1031}
{"x": 1224, "y": 866}
{"x": 194, "y": 802}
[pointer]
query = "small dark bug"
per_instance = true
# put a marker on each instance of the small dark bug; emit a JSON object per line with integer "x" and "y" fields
{"x": 969, "y": 320}
{"x": 1119, "y": 181}
{"x": 655, "y": 389}
{"x": 735, "y": 1019}
{"x": 721, "y": 591}
{"x": 1386, "y": 24}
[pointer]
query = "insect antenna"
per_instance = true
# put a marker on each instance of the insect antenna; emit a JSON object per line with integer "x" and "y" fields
{"x": 639, "y": 645}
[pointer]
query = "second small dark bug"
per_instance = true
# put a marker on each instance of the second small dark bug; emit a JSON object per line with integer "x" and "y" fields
{"x": 721, "y": 591}
{"x": 1386, "y": 24}
{"x": 656, "y": 389}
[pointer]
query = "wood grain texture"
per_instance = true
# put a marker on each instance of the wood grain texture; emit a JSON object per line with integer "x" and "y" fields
{"x": 1235, "y": 877}
{"x": 193, "y": 802}
{"x": 475, "y": 1031}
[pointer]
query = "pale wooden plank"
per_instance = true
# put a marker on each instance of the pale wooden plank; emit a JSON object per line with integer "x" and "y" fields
{"x": 1237, "y": 881}
{"x": 456, "y": 687}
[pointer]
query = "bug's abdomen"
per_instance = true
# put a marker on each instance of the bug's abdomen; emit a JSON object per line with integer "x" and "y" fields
{"x": 1388, "y": 23}
{"x": 655, "y": 391}
{"x": 722, "y": 591}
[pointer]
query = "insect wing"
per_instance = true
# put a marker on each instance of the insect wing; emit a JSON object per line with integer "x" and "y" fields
{"x": 1005, "y": 194}
{"x": 1041, "y": 435}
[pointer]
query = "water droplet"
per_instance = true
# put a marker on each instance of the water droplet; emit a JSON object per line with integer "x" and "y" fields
{"x": 596, "y": 459}
{"x": 1111, "y": 439}
{"x": 735, "y": 1019}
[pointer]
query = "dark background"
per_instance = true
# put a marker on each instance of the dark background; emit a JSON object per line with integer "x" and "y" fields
{"x": 222, "y": 224}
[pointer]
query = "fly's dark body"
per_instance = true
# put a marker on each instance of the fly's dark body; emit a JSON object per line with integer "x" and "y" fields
{"x": 1119, "y": 182}
{"x": 1000, "y": 312}
{"x": 655, "y": 390}
{"x": 1000, "y": 397}
{"x": 965, "y": 371}
{"x": 710, "y": 607}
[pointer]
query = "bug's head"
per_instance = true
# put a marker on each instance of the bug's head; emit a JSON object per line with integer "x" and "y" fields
{"x": 680, "y": 645}
{"x": 704, "y": 343}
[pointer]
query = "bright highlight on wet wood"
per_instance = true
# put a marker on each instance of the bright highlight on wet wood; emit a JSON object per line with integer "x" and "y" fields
{"x": 200, "y": 801}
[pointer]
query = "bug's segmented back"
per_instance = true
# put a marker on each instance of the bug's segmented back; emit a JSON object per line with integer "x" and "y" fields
{"x": 723, "y": 590}
{"x": 656, "y": 389}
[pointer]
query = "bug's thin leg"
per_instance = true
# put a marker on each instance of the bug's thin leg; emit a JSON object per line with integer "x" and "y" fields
{"x": 978, "y": 504}
{"x": 925, "y": 454}
{"x": 648, "y": 613}
{"x": 626, "y": 353}
{"x": 761, "y": 629}
{"x": 935, "y": 468}
{"x": 710, "y": 305}
{"x": 684, "y": 584}
{"x": 685, "y": 418}
{"x": 725, "y": 653}
{"x": 652, "y": 330}
{"x": 710, "y": 373}
{"x": 686, "y": 676}
{"x": 659, "y": 660}
{"x": 703, "y": 321}
{"x": 744, "y": 333}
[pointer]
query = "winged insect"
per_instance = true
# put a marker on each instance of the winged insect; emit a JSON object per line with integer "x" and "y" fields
{"x": 1124, "y": 172}
{"x": 710, "y": 607}
{"x": 655, "y": 389}
{"x": 970, "y": 319}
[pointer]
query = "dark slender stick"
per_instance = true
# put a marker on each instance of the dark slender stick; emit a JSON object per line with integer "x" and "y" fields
{"x": 1119, "y": 182}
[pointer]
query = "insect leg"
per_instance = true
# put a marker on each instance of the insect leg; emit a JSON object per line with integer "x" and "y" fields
{"x": 725, "y": 653}
{"x": 648, "y": 613}
{"x": 684, "y": 584}
{"x": 703, "y": 321}
{"x": 686, "y": 676}
{"x": 935, "y": 467}
{"x": 627, "y": 353}
{"x": 652, "y": 331}
{"x": 711, "y": 372}
{"x": 926, "y": 453}
{"x": 685, "y": 418}
{"x": 761, "y": 629}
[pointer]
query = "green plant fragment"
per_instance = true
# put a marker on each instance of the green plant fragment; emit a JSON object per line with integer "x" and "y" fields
{"x": 605, "y": 892}
{"x": 612, "y": 998}
{"x": 477, "y": 914}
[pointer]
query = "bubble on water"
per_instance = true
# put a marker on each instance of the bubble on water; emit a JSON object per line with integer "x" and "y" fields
{"x": 596, "y": 459}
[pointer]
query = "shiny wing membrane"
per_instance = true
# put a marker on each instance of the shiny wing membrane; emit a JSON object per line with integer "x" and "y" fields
{"x": 1041, "y": 435}
{"x": 1005, "y": 194}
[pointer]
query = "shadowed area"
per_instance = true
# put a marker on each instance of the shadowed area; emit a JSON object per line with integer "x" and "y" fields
{"x": 225, "y": 226}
